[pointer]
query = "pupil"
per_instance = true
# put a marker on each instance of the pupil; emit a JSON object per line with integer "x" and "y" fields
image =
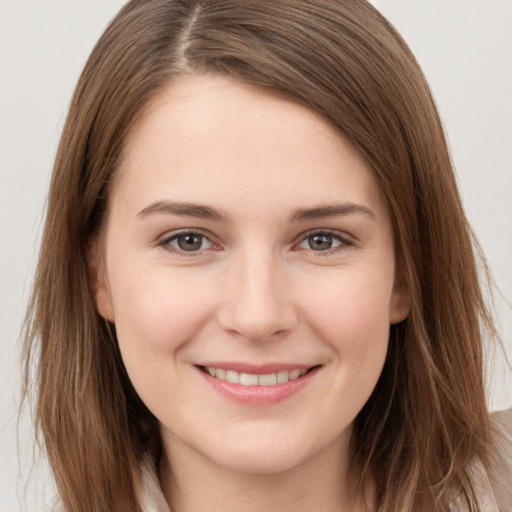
{"x": 190, "y": 242}
{"x": 320, "y": 242}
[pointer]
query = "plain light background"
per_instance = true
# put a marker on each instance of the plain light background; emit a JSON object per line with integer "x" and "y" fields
{"x": 464, "y": 47}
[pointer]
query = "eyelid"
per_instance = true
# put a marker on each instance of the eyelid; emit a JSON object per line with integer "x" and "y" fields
{"x": 345, "y": 240}
{"x": 165, "y": 241}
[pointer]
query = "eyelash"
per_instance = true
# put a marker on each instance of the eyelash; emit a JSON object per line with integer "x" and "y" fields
{"x": 344, "y": 242}
{"x": 167, "y": 240}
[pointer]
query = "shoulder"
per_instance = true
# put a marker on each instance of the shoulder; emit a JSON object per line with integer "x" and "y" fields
{"x": 500, "y": 475}
{"x": 492, "y": 483}
{"x": 151, "y": 498}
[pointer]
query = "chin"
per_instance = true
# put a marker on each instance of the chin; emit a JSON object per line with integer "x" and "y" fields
{"x": 261, "y": 460}
{"x": 266, "y": 455}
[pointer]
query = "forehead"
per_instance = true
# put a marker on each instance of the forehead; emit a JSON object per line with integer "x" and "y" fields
{"x": 218, "y": 139}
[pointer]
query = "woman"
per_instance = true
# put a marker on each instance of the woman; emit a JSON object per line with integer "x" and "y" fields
{"x": 257, "y": 287}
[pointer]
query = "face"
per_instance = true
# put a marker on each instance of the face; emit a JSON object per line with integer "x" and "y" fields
{"x": 248, "y": 265}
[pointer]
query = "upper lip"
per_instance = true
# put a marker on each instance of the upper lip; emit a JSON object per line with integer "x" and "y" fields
{"x": 258, "y": 369}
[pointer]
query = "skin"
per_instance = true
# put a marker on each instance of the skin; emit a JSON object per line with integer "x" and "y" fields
{"x": 258, "y": 290}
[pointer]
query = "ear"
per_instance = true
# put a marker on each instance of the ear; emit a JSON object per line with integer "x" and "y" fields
{"x": 400, "y": 303}
{"x": 98, "y": 280}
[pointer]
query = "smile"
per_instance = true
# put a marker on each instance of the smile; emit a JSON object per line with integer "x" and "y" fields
{"x": 251, "y": 379}
{"x": 257, "y": 386}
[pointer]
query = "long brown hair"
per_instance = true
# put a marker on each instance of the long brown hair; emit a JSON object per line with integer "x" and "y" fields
{"x": 427, "y": 419}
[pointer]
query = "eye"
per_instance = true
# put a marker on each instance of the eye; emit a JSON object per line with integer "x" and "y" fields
{"x": 321, "y": 241}
{"x": 187, "y": 241}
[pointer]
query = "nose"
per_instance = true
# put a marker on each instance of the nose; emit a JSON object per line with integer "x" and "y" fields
{"x": 258, "y": 304}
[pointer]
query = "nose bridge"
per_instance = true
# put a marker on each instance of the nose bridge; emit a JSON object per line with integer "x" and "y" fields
{"x": 257, "y": 305}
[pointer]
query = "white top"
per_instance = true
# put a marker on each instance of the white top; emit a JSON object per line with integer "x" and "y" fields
{"x": 494, "y": 491}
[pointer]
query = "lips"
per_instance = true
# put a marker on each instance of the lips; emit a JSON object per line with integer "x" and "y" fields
{"x": 262, "y": 385}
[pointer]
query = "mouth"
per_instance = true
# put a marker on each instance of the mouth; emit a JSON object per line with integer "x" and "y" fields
{"x": 256, "y": 379}
{"x": 253, "y": 385}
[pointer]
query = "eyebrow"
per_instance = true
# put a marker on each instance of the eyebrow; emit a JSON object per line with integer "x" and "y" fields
{"x": 183, "y": 209}
{"x": 299, "y": 214}
{"x": 324, "y": 211}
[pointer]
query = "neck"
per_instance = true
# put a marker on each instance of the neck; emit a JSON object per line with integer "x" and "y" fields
{"x": 193, "y": 483}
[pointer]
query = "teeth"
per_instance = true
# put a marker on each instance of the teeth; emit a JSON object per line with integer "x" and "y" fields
{"x": 267, "y": 380}
{"x": 294, "y": 374}
{"x": 248, "y": 379}
{"x": 251, "y": 379}
{"x": 283, "y": 377}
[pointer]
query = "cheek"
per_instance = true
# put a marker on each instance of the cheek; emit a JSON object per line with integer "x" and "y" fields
{"x": 352, "y": 312}
{"x": 156, "y": 312}
{"x": 156, "y": 315}
{"x": 351, "y": 317}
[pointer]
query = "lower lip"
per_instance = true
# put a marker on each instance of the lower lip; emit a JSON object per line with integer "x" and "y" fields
{"x": 259, "y": 395}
